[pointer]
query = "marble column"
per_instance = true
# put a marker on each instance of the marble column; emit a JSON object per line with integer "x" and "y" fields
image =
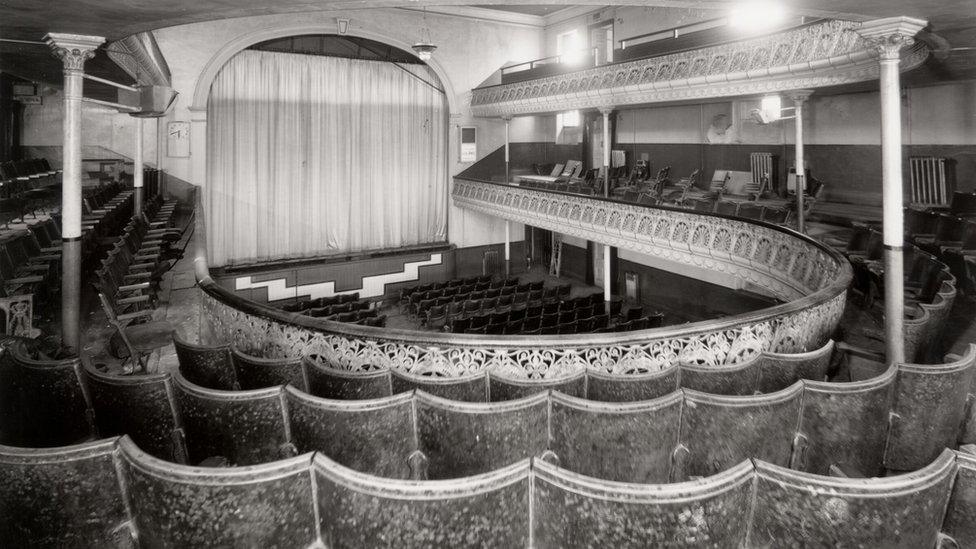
{"x": 607, "y": 283}
{"x": 508, "y": 181}
{"x": 137, "y": 175}
{"x": 73, "y": 50}
{"x": 888, "y": 36}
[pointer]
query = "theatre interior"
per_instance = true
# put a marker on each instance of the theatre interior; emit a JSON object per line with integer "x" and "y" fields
{"x": 428, "y": 273}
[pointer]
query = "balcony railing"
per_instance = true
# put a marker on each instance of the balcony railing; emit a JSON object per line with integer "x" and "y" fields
{"x": 811, "y": 276}
{"x": 825, "y": 53}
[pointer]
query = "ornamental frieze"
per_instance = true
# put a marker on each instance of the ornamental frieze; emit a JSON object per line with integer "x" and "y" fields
{"x": 822, "y": 54}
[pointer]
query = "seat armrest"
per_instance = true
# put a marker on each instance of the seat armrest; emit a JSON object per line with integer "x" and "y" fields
{"x": 24, "y": 280}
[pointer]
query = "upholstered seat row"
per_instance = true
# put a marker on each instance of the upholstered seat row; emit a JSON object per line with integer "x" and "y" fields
{"x": 111, "y": 494}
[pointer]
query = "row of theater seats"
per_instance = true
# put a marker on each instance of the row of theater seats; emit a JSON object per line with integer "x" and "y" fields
{"x": 779, "y": 214}
{"x": 586, "y": 480}
{"x": 580, "y": 315}
{"x": 25, "y": 187}
{"x": 949, "y": 236}
{"x": 128, "y": 281}
{"x": 347, "y": 308}
{"x": 930, "y": 291}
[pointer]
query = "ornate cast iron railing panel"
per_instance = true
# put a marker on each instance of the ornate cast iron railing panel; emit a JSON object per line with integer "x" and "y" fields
{"x": 782, "y": 262}
{"x": 821, "y": 54}
{"x": 800, "y": 325}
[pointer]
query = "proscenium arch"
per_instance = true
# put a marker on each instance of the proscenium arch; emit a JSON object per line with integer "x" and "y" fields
{"x": 201, "y": 93}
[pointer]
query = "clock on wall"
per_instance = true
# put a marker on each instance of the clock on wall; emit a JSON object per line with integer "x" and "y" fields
{"x": 178, "y": 139}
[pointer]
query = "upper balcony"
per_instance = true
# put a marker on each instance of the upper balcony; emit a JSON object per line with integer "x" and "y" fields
{"x": 818, "y": 54}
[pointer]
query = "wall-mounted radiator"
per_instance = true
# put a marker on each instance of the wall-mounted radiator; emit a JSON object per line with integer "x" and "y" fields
{"x": 761, "y": 165}
{"x": 928, "y": 181}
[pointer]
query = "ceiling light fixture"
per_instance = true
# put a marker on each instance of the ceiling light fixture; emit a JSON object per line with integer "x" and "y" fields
{"x": 424, "y": 47}
{"x": 751, "y": 16}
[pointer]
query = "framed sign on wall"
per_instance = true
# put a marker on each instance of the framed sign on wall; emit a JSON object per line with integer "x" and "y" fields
{"x": 469, "y": 143}
{"x": 178, "y": 139}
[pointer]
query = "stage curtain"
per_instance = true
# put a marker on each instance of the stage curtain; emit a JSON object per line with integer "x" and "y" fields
{"x": 311, "y": 155}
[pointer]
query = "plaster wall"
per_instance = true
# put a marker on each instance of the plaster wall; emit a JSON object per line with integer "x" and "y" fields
{"x": 100, "y": 127}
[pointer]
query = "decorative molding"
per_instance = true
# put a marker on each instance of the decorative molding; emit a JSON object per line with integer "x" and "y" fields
{"x": 822, "y": 54}
{"x": 814, "y": 278}
{"x": 18, "y": 312}
{"x": 73, "y": 49}
{"x": 888, "y": 36}
{"x": 781, "y": 262}
{"x": 501, "y": 17}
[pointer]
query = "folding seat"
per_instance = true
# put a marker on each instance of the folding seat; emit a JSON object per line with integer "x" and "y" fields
{"x": 507, "y": 290}
{"x": 467, "y": 288}
{"x": 654, "y": 320}
{"x": 481, "y": 286}
{"x": 434, "y": 294}
{"x": 531, "y": 323}
{"x": 480, "y": 279}
{"x": 405, "y": 294}
{"x": 585, "y": 312}
{"x": 548, "y": 330}
{"x": 616, "y": 304}
{"x": 459, "y": 325}
{"x": 505, "y": 302}
{"x": 568, "y": 328}
{"x": 378, "y": 321}
{"x": 444, "y": 300}
{"x": 535, "y": 295}
{"x": 584, "y": 325}
{"x": 567, "y": 305}
{"x": 498, "y": 317}
{"x": 477, "y": 295}
{"x": 454, "y": 282}
{"x": 623, "y": 326}
{"x": 320, "y": 312}
{"x": 520, "y": 288}
{"x": 726, "y": 207}
{"x": 296, "y": 307}
{"x": 436, "y": 317}
{"x": 497, "y": 284}
{"x": 534, "y": 308}
{"x": 600, "y": 321}
{"x": 517, "y": 313}
{"x": 566, "y": 316}
{"x": 348, "y": 317}
{"x": 19, "y": 281}
{"x": 520, "y": 298}
{"x": 596, "y": 299}
{"x": 480, "y": 321}
{"x": 424, "y": 306}
{"x": 551, "y": 307}
{"x": 574, "y": 188}
{"x": 630, "y": 196}
{"x": 495, "y": 329}
{"x": 776, "y": 215}
{"x": 451, "y": 291}
{"x": 563, "y": 290}
{"x": 750, "y": 210}
{"x": 455, "y": 309}
{"x": 513, "y": 327}
{"x": 537, "y": 285}
{"x": 551, "y": 292}
{"x": 634, "y": 312}
{"x": 479, "y": 330}
{"x": 471, "y": 308}
{"x": 647, "y": 199}
{"x": 493, "y": 292}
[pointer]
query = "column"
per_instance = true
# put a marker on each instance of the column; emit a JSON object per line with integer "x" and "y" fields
{"x": 799, "y": 97}
{"x": 73, "y": 50}
{"x": 137, "y": 162}
{"x": 607, "y": 283}
{"x": 888, "y": 36}
{"x": 508, "y": 180}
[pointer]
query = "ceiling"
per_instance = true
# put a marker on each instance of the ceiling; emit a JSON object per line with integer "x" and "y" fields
{"x": 539, "y": 10}
{"x": 953, "y": 20}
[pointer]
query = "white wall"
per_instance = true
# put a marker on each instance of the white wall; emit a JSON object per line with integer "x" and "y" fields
{"x": 936, "y": 115}
{"x": 100, "y": 127}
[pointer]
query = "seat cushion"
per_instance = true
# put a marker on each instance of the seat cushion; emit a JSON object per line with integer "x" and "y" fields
{"x": 151, "y": 335}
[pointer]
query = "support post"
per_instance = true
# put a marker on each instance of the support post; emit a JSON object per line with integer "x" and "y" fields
{"x": 607, "y": 283}
{"x": 73, "y": 50}
{"x": 137, "y": 179}
{"x": 888, "y": 36}
{"x": 508, "y": 181}
{"x": 799, "y": 97}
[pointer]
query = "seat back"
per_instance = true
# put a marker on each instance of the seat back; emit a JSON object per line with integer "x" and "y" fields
{"x": 328, "y": 382}
{"x": 501, "y": 387}
{"x": 468, "y": 388}
{"x": 208, "y": 366}
{"x": 254, "y": 372}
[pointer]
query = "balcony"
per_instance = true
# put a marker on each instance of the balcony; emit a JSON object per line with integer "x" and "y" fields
{"x": 819, "y": 54}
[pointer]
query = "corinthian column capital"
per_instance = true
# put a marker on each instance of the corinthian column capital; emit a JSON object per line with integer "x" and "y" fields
{"x": 891, "y": 34}
{"x": 73, "y": 49}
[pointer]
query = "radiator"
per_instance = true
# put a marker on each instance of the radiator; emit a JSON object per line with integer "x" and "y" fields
{"x": 761, "y": 165}
{"x": 928, "y": 181}
{"x": 489, "y": 263}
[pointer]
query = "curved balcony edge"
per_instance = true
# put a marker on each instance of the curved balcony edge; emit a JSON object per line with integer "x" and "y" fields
{"x": 800, "y": 325}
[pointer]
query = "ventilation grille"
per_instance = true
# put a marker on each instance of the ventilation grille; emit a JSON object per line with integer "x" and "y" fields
{"x": 489, "y": 263}
{"x": 928, "y": 181}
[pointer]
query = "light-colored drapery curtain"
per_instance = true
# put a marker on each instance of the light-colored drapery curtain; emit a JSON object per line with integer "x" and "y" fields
{"x": 311, "y": 155}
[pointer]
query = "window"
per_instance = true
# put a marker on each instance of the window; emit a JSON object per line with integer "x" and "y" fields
{"x": 568, "y": 119}
{"x": 569, "y": 47}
